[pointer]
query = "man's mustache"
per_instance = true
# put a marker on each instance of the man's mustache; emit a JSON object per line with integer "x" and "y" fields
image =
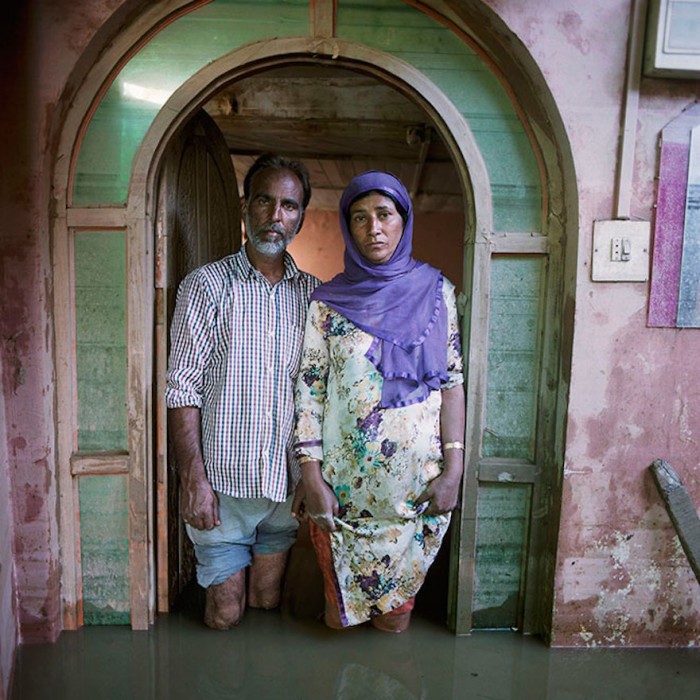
{"x": 274, "y": 228}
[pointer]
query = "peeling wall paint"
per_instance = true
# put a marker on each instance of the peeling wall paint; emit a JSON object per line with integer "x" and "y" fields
{"x": 616, "y": 530}
{"x": 8, "y": 594}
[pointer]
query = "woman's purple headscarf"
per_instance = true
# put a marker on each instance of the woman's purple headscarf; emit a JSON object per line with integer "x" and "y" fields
{"x": 399, "y": 302}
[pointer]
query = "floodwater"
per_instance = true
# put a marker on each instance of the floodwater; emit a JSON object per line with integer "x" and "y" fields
{"x": 273, "y": 654}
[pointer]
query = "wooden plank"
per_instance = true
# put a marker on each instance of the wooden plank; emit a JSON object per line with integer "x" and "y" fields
{"x": 552, "y": 402}
{"x": 477, "y": 280}
{"x": 160, "y": 429}
{"x": 96, "y": 217}
{"x": 320, "y": 138}
{"x": 323, "y": 13}
{"x": 507, "y": 471}
{"x": 519, "y": 243}
{"x": 301, "y": 92}
{"x": 681, "y": 510}
{"x": 161, "y": 457}
{"x": 65, "y": 423}
{"x": 99, "y": 463}
{"x": 139, "y": 389}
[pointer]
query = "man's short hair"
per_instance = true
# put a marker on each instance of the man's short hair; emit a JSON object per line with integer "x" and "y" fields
{"x": 275, "y": 162}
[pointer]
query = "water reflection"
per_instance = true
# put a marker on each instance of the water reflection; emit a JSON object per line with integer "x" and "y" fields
{"x": 357, "y": 682}
{"x": 273, "y": 656}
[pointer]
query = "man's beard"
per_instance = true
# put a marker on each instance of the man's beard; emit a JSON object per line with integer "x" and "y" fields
{"x": 269, "y": 248}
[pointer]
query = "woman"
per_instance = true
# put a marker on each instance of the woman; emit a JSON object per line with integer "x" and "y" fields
{"x": 380, "y": 413}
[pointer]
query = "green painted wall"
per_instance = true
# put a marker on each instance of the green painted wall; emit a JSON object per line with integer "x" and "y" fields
{"x": 503, "y": 512}
{"x": 514, "y": 344}
{"x": 176, "y": 53}
{"x": 104, "y": 549}
{"x": 100, "y": 333}
{"x": 155, "y": 72}
{"x": 400, "y": 30}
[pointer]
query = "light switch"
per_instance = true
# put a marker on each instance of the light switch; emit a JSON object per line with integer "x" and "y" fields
{"x": 626, "y": 251}
{"x": 620, "y": 251}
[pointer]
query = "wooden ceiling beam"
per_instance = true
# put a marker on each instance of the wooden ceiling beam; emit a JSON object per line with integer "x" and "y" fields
{"x": 319, "y": 138}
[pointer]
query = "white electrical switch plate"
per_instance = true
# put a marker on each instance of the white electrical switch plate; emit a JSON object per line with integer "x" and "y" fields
{"x": 620, "y": 251}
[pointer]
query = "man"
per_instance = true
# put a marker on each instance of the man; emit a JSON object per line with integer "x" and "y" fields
{"x": 235, "y": 346}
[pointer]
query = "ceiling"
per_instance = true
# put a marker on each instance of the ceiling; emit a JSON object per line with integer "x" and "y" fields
{"x": 339, "y": 123}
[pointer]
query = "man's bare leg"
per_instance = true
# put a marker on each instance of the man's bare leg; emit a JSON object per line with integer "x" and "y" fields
{"x": 265, "y": 584}
{"x": 225, "y": 602}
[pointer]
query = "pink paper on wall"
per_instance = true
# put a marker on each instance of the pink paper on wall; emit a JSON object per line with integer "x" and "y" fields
{"x": 668, "y": 234}
{"x": 670, "y": 218}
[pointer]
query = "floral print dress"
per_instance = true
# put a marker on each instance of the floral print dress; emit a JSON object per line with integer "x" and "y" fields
{"x": 377, "y": 460}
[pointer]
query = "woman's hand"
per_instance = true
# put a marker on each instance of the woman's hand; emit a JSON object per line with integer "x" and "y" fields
{"x": 320, "y": 503}
{"x": 299, "y": 503}
{"x": 442, "y": 494}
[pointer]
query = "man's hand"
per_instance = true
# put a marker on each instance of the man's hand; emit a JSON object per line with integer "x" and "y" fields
{"x": 200, "y": 506}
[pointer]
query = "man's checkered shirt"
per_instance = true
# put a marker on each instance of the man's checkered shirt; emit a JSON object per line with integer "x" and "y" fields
{"x": 235, "y": 349}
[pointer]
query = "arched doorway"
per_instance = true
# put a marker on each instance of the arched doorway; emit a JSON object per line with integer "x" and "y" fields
{"x": 513, "y": 454}
{"x": 208, "y": 85}
{"x": 392, "y": 132}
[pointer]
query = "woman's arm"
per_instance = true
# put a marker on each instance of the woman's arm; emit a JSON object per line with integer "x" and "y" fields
{"x": 443, "y": 491}
{"x": 313, "y": 497}
{"x": 319, "y": 502}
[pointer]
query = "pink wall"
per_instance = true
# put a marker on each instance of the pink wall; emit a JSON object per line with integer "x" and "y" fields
{"x": 318, "y": 248}
{"x": 8, "y": 602}
{"x": 621, "y": 576}
{"x": 26, "y": 334}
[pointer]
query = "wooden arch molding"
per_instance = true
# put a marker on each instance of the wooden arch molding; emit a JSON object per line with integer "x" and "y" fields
{"x": 255, "y": 58}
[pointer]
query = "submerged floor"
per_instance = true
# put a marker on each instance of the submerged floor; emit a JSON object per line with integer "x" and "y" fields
{"x": 273, "y": 655}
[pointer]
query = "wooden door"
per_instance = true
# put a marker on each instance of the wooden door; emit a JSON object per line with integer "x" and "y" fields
{"x": 198, "y": 220}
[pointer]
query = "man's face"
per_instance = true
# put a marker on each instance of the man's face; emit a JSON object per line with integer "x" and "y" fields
{"x": 273, "y": 213}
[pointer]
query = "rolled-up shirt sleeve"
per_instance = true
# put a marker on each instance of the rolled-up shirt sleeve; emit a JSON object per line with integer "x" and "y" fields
{"x": 190, "y": 342}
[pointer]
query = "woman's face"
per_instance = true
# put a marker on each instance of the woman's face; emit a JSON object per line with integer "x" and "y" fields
{"x": 376, "y": 227}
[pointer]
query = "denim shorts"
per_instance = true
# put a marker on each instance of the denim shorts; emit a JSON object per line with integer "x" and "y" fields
{"x": 248, "y": 526}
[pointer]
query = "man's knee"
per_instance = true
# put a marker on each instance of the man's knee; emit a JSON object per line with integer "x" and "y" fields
{"x": 225, "y": 602}
{"x": 266, "y": 574}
